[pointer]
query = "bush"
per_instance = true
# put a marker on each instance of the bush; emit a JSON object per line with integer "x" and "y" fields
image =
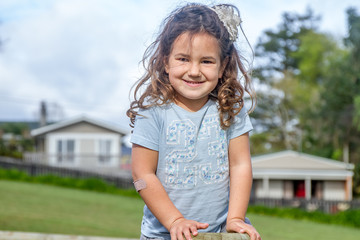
{"x": 92, "y": 184}
{"x": 14, "y": 174}
{"x": 349, "y": 218}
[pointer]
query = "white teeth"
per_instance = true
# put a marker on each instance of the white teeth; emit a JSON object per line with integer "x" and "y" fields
{"x": 192, "y": 82}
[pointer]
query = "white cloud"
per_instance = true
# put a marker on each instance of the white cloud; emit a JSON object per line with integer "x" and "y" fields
{"x": 84, "y": 55}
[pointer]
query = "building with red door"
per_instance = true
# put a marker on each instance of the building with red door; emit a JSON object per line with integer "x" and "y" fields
{"x": 290, "y": 175}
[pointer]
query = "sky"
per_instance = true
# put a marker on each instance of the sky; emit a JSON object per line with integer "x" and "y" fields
{"x": 82, "y": 56}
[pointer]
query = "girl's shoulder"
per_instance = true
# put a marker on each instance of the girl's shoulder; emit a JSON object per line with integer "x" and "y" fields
{"x": 156, "y": 108}
{"x": 156, "y": 112}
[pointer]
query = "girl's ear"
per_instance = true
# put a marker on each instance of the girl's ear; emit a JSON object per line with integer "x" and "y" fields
{"x": 223, "y": 66}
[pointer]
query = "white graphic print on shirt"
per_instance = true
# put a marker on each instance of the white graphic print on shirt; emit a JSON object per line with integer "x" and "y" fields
{"x": 181, "y": 172}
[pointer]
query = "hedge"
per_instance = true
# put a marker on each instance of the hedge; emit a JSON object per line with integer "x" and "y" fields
{"x": 92, "y": 184}
{"x": 349, "y": 218}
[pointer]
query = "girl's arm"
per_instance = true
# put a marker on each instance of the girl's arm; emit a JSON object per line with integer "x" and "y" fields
{"x": 144, "y": 164}
{"x": 240, "y": 186}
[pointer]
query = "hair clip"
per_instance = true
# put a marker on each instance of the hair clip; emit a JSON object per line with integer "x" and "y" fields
{"x": 229, "y": 18}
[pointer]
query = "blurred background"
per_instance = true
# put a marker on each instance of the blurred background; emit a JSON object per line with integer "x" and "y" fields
{"x": 66, "y": 60}
{"x": 66, "y": 72}
{"x": 83, "y": 56}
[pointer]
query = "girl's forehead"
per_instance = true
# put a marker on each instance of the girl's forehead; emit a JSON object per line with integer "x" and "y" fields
{"x": 189, "y": 40}
{"x": 189, "y": 37}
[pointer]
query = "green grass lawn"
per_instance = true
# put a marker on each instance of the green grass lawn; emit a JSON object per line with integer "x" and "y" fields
{"x": 33, "y": 207}
{"x": 50, "y": 209}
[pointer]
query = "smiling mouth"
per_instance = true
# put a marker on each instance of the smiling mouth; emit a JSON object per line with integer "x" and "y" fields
{"x": 193, "y": 83}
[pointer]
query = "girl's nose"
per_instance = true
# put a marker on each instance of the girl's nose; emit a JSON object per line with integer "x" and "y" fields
{"x": 194, "y": 70}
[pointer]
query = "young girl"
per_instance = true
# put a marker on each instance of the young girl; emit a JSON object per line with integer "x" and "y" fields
{"x": 190, "y": 156}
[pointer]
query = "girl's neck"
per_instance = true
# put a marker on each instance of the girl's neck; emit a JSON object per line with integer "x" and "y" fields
{"x": 193, "y": 106}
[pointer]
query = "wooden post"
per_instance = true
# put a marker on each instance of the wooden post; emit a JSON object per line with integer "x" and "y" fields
{"x": 308, "y": 188}
{"x": 348, "y": 188}
{"x": 222, "y": 236}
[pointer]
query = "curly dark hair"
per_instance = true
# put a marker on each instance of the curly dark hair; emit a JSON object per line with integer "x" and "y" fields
{"x": 193, "y": 18}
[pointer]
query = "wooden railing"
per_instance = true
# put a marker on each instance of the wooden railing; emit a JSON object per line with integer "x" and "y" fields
{"x": 222, "y": 236}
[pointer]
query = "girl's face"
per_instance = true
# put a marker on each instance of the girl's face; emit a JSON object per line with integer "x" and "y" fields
{"x": 194, "y": 68}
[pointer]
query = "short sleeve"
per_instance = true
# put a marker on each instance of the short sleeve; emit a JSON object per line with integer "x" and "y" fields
{"x": 146, "y": 129}
{"x": 241, "y": 125}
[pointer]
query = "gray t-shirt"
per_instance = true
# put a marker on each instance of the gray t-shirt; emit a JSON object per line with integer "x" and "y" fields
{"x": 193, "y": 162}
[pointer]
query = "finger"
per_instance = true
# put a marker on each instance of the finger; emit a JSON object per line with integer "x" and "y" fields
{"x": 173, "y": 234}
{"x": 237, "y": 229}
{"x": 258, "y": 237}
{"x": 253, "y": 236}
{"x": 180, "y": 235}
{"x": 187, "y": 234}
{"x": 202, "y": 225}
{"x": 193, "y": 230}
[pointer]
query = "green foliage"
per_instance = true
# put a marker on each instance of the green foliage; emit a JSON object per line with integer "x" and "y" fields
{"x": 20, "y": 141}
{"x": 335, "y": 115}
{"x": 11, "y": 149}
{"x": 277, "y": 46}
{"x": 278, "y": 110}
{"x": 311, "y": 101}
{"x": 356, "y": 119}
{"x": 13, "y": 174}
{"x": 353, "y": 38}
{"x": 17, "y": 128}
{"x": 312, "y": 56}
{"x": 276, "y": 228}
{"x": 349, "y": 218}
{"x": 261, "y": 142}
{"x": 92, "y": 184}
{"x": 337, "y": 154}
{"x": 356, "y": 180}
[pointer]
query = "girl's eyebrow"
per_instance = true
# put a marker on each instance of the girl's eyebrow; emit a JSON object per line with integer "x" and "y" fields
{"x": 181, "y": 55}
{"x": 188, "y": 56}
{"x": 209, "y": 57}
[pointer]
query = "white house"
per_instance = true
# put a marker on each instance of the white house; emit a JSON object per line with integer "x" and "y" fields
{"x": 80, "y": 142}
{"x": 289, "y": 174}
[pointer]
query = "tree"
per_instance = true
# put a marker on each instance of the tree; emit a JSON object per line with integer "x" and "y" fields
{"x": 311, "y": 100}
{"x": 276, "y": 114}
{"x": 352, "y": 41}
{"x": 18, "y": 139}
{"x": 315, "y": 57}
{"x": 276, "y": 48}
{"x": 340, "y": 96}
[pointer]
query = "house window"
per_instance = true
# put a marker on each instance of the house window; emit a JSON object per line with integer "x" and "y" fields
{"x": 65, "y": 151}
{"x": 105, "y": 151}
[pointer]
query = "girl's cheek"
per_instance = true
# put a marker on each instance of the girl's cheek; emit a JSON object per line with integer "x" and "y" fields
{"x": 182, "y": 65}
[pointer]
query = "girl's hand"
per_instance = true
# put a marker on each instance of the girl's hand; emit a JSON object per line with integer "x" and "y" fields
{"x": 239, "y": 226}
{"x": 183, "y": 227}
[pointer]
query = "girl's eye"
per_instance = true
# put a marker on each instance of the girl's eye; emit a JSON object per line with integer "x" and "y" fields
{"x": 183, "y": 59}
{"x": 207, "y": 62}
